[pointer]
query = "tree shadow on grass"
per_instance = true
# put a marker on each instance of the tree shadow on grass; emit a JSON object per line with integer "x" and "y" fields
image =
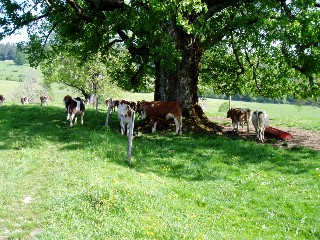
{"x": 192, "y": 157}
{"x": 198, "y": 157}
{"x": 27, "y": 126}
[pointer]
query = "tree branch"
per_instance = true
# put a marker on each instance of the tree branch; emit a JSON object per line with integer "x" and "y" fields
{"x": 80, "y": 12}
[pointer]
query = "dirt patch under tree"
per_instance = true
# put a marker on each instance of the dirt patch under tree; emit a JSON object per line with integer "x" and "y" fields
{"x": 300, "y": 137}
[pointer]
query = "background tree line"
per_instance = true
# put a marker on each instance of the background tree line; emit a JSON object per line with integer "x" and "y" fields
{"x": 10, "y": 51}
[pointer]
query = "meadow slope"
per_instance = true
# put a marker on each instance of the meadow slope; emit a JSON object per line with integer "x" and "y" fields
{"x": 61, "y": 183}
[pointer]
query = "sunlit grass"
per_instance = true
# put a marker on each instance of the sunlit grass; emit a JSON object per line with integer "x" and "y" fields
{"x": 61, "y": 183}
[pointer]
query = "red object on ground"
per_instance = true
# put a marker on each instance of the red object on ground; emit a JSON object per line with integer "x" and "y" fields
{"x": 278, "y": 133}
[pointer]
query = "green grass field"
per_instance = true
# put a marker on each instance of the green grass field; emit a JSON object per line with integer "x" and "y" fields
{"x": 11, "y": 72}
{"x": 61, "y": 183}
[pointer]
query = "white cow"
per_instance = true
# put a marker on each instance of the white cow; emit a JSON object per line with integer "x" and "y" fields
{"x": 124, "y": 115}
{"x": 260, "y": 120}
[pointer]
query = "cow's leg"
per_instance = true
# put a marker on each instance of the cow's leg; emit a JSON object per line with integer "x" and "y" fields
{"x": 153, "y": 125}
{"x": 71, "y": 119}
{"x": 75, "y": 120}
{"x": 82, "y": 118}
{"x": 178, "y": 127}
{"x": 68, "y": 111}
{"x": 262, "y": 134}
{"x": 122, "y": 127}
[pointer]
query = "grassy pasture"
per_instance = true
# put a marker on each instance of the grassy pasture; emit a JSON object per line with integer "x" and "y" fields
{"x": 11, "y": 72}
{"x": 304, "y": 117}
{"x": 61, "y": 183}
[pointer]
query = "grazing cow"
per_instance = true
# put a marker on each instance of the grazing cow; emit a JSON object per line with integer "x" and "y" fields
{"x": 44, "y": 99}
{"x": 91, "y": 99}
{"x": 157, "y": 109}
{"x": 24, "y": 100}
{"x": 75, "y": 106}
{"x": 132, "y": 104}
{"x": 115, "y": 104}
{"x": 260, "y": 121}
{"x": 124, "y": 114}
{"x": 239, "y": 116}
{"x": 2, "y": 98}
{"x": 112, "y": 106}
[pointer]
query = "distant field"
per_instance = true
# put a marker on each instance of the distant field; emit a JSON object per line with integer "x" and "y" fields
{"x": 11, "y": 72}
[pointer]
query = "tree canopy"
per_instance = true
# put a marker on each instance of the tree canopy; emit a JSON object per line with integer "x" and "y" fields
{"x": 262, "y": 47}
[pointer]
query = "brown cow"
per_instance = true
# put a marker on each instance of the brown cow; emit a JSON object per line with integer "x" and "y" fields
{"x": 75, "y": 106}
{"x": 24, "y": 100}
{"x": 2, "y": 98}
{"x": 44, "y": 99}
{"x": 157, "y": 109}
{"x": 239, "y": 116}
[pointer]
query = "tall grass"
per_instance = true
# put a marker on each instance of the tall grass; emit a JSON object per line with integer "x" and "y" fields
{"x": 61, "y": 183}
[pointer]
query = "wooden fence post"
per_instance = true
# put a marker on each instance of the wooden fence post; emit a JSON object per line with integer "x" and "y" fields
{"x": 130, "y": 137}
{"x": 108, "y": 113}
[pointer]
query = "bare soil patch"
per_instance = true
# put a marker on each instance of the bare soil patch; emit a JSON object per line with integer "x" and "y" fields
{"x": 300, "y": 137}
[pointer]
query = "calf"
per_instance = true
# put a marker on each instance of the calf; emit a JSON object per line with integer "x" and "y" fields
{"x": 157, "y": 109}
{"x": 65, "y": 100}
{"x": 2, "y": 98}
{"x": 44, "y": 99}
{"x": 124, "y": 114}
{"x": 260, "y": 121}
{"x": 240, "y": 116}
{"x": 75, "y": 106}
{"x": 24, "y": 100}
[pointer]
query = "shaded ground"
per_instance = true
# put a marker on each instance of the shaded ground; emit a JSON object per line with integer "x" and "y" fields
{"x": 300, "y": 137}
{"x": 222, "y": 125}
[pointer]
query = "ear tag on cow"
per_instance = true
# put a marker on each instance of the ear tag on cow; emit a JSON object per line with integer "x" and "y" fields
{"x": 152, "y": 105}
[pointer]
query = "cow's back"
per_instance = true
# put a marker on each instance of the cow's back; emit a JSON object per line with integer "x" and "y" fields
{"x": 161, "y": 109}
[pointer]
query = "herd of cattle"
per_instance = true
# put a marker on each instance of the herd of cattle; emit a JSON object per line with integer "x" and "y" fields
{"x": 154, "y": 111}
{"x": 241, "y": 116}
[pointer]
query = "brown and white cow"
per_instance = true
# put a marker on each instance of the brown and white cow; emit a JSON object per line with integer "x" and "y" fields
{"x": 240, "y": 116}
{"x": 65, "y": 100}
{"x": 157, "y": 109}
{"x": 2, "y": 98}
{"x": 125, "y": 112}
{"x": 24, "y": 100}
{"x": 260, "y": 121}
{"x": 111, "y": 102}
{"x": 44, "y": 99}
{"x": 74, "y": 107}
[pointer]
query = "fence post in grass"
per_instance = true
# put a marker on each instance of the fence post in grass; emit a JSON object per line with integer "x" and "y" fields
{"x": 229, "y": 102}
{"x": 96, "y": 103}
{"x": 130, "y": 137}
{"x": 108, "y": 113}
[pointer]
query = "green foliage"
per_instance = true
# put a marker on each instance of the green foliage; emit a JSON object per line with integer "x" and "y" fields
{"x": 263, "y": 48}
{"x": 89, "y": 77}
{"x": 61, "y": 183}
{"x": 224, "y": 107}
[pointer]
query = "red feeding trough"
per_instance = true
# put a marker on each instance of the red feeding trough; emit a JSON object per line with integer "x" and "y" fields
{"x": 278, "y": 133}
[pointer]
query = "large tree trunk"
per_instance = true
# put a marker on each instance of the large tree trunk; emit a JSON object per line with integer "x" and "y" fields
{"x": 181, "y": 83}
